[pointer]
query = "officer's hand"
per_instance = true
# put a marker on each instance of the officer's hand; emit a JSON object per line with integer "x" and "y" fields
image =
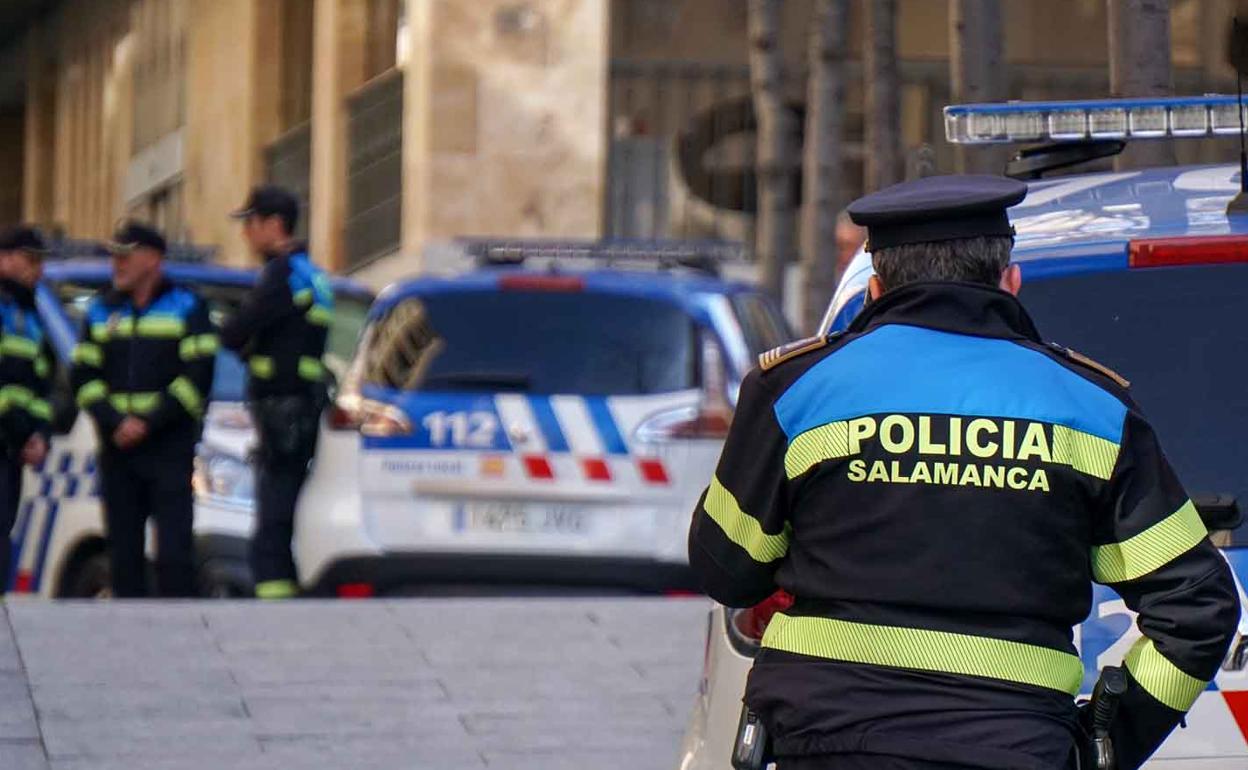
{"x": 130, "y": 433}
{"x": 35, "y": 450}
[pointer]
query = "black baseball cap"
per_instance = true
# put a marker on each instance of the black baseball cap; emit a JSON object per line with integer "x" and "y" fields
{"x": 938, "y": 208}
{"x": 269, "y": 200}
{"x": 24, "y": 238}
{"x": 131, "y": 234}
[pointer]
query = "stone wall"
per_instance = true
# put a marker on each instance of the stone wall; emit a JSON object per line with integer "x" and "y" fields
{"x": 505, "y": 119}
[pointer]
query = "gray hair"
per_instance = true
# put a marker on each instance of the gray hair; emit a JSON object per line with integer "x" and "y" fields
{"x": 981, "y": 259}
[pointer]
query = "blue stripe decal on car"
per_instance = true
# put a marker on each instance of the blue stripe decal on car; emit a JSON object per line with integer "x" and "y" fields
{"x": 548, "y": 423}
{"x": 605, "y": 423}
{"x": 48, "y": 522}
{"x": 25, "y": 513}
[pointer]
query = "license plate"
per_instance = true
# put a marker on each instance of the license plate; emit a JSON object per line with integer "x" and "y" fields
{"x": 524, "y": 518}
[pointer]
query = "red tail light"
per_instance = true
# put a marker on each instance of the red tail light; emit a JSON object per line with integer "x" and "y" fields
{"x": 1202, "y": 250}
{"x": 566, "y": 283}
{"x": 356, "y": 591}
{"x": 746, "y": 627}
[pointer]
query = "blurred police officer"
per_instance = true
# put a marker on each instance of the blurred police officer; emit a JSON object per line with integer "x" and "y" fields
{"x": 25, "y": 375}
{"x": 143, "y": 371}
{"x": 938, "y": 488}
{"x": 281, "y": 329}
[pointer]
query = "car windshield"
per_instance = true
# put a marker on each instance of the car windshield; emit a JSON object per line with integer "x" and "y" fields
{"x": 1179, "y": 335}
{"x": 538, "y": 342}
{"x": 230, "y": 378}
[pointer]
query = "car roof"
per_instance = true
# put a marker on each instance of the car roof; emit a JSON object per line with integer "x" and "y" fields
{"x": 98, "y": 270}
{"x": 678, "y": 287}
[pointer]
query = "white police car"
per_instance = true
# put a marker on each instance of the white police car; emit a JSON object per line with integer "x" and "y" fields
{"x": 58, "y": 539}
{"x": 547, "y": 418}
{"x": 1146, "y": 272}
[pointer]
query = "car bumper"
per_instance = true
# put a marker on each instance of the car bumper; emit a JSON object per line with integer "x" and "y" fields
{"x": 398, "y": 571}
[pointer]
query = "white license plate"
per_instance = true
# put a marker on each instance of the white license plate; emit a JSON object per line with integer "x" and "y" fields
{"x": 523, "y": 518}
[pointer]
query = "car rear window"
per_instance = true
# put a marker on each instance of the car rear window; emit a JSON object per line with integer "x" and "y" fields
{"x": 1180, "y": 336}
{"x": 533, "y": 341}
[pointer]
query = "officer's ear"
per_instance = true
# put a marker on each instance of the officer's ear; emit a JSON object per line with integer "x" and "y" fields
{"x": 1012, "y": 280}
{"x": 875, "y": 287}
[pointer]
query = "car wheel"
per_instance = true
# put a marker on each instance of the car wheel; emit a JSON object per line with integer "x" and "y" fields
{"x": 92, "y": 579}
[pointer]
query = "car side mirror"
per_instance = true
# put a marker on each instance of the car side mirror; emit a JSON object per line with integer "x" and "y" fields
{"x": 1218, "y": 512}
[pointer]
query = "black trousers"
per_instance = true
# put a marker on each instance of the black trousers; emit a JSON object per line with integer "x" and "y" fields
{"x": 287, "y": 428}
{"x": 10, "y": 498}
{"x": 138, "y": 487}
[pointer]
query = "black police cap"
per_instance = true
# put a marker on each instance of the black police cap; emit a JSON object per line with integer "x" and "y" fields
{"x": 131, "y": 234}
{"x": 269, "y": 201}
{"x": 937, "y": 208}
{"x": 24, "y": 238}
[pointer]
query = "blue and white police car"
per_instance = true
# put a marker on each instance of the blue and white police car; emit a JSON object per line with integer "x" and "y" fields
{"x": 546, "y": 418}
{"x": 58, "y": 539}
{"x": 1146, "y": 272}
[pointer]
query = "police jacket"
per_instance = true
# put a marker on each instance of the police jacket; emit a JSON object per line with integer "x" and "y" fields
{"x": 282, "y": 327}
{"x": 937, "y": 489}
{"x": 155, "y": 363}
{"x": 25, "y": 368}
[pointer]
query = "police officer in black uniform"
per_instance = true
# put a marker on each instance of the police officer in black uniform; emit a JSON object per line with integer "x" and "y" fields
{"x": 25, "y": 376}
{"x": 143, "y": 370}
{"x": 281, "y": 329}
{"x": 938, "y": 488}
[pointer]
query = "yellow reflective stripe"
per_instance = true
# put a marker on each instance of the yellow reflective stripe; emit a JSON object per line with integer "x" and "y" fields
{"x": 925, "y": 650}
{"x": 1084, "y": 452}
{"x": 827, "y": 442}
{"x": 1160, "y": 678}
{"x": 276, "y": 589}
{"x": 187, "y": 394}
{"x": 42, "y": 367}
{"x": 302, "y": 297}
{"x": 161, "y": 326}
{"x": 188, "y": 349}
{"x": 741, "y": 528}
{"x": 88, "y": 353}
{"x": 135, "y": 403}
{"x": 208, "y": 344}
{"x": 15, "y": 395}
{"x": 1156, "y": 546}
{"x": 90, "y": 392}
{"x": 261, "y": 366}
{"x": 22, "y": 347}
{"x": 118, "y": 327}
{"x": 320, "y": 315}
{"x": 311, "y": 368}
{"x": 120, "y": 401}
{"x": 40, "y": 409}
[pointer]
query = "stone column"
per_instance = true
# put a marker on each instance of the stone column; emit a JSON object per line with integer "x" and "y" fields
{"x": 39, "y": 144}
{"x": 338, "y": 61}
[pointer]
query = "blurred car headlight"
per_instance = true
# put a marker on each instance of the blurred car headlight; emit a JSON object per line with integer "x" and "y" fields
{"x": 224, "y": 478}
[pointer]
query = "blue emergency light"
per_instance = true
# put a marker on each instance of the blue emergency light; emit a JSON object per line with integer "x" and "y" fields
{"x": 1092, "y": 119}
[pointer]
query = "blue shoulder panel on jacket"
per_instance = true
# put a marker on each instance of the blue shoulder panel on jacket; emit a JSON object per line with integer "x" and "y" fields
{"x": 906, "y": 369}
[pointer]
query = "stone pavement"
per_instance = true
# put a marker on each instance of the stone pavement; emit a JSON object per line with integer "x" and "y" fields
{"x": 451, "y": 684}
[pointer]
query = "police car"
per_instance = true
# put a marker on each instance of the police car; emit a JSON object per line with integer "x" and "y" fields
{"x": 546, "y": 418}
{"x": 58, "y": 539}
{"x": 1146, "y": 272}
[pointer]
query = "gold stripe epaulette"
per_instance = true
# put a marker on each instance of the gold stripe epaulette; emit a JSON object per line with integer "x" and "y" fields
{"x": 776, "y": 356}
{"x": 1095, "y": 366}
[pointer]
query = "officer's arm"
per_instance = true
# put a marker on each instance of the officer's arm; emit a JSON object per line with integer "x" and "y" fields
{"x": 186, "y": 397}
{"x": 87, "y": 378}
{"x": 740, "y": 528}
{"x": 266, "y": 304}
{"x": 1154, "y": 551}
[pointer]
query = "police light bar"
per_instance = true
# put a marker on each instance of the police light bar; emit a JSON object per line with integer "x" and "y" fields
{"x": 1075, "y": 121}
{"x": 703, "y": 255}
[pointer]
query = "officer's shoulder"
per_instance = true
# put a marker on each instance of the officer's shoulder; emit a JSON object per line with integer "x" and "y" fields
{"x": 793, "y": 350}
{"x": 1081, "y": 361}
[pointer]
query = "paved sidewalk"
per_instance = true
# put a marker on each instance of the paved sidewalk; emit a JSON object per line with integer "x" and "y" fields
{"x": 454, "y": 684}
